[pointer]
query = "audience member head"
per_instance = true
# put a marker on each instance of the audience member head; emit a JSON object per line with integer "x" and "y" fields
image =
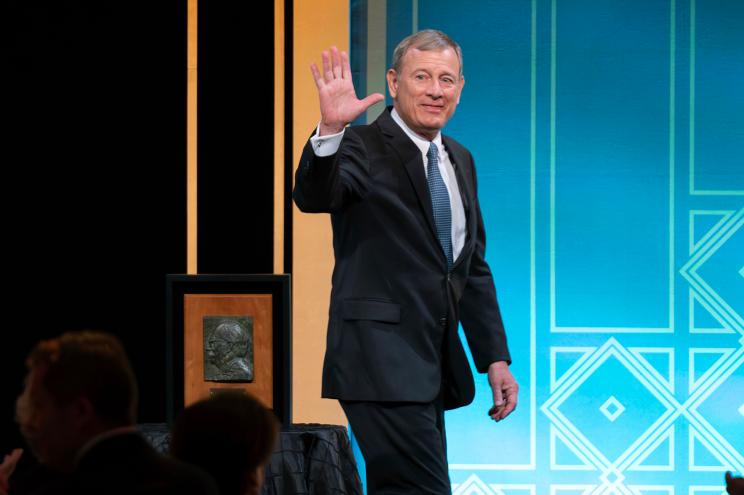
{"x": 78, "y": 386}
{"x": 734, "y": 484}
{"x": 231, "y": 436}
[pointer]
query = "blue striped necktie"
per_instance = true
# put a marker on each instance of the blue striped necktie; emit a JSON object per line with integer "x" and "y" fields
{"x": 440, "y": 202}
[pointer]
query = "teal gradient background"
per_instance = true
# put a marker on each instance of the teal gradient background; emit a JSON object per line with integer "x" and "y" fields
{"x": 608, "y": 140}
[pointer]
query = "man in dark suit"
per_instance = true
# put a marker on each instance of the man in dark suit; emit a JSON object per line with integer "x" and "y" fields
{"x": 409, "y": 246}
{"x": 77, "y": 414}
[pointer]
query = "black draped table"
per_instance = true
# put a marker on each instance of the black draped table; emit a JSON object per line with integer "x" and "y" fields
{"x": 308, "y": 459}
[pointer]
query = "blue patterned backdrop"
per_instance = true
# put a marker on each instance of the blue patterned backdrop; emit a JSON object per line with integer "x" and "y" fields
{"x": 608, "y": 137}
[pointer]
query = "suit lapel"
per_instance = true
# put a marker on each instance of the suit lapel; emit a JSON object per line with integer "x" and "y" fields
{"x": 410, "y": 157}
{"x": 458, "y": 159}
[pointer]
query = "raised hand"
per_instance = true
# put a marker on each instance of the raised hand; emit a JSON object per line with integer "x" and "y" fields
{"x": 339, "y": 104}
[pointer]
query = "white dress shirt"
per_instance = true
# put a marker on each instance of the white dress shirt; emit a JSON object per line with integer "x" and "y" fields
{"x": 328, "y": 145}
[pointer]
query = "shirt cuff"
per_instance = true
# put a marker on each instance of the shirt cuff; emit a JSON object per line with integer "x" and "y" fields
{"x": 326, "y": 145}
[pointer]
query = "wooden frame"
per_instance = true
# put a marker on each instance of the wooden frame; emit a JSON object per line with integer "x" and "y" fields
{"x": 270, "y": 291}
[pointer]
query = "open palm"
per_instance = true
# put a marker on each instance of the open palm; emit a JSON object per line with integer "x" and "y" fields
{"x": 339, "y": 104}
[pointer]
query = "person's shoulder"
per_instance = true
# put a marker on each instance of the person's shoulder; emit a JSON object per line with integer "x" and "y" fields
{"x": 384, "y": 123}
{"x": 362, "y": 137}
{"x": 129, "y": 464}
{"x": 362, "y": 129}
{"x": 187, "y": 479}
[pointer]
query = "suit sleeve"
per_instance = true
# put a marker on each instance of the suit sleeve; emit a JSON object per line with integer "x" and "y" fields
{"x": 328, "y": 184}
{"x": 479, "y": 309}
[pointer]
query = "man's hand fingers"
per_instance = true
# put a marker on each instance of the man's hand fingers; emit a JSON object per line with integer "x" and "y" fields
{"x": 505, "y": 390}
{"x": 511, "y": 403}
{"x": 339, "y": 104}
{"x": 371, "y": 100}
{"x": 495, "y": 413}
{"x": 327, "y": 72}
{"x": 336, "y": 63}
{"x": 345, "y": 66}
{"x": 498, "y": 396}
{"x": 508, "y": 397}
{"x": 316, "y": 76}
{"x": 507, "y": 410}
{"x": 512, "y": 393}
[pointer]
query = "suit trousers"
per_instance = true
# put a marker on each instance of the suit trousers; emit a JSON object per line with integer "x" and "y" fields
{"x": 404, "y": 446}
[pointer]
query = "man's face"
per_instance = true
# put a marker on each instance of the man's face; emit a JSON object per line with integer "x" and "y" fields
{"x": 49, "y": 428}
{"x": 427, "y": 89}
{"x": 220, "y": 350}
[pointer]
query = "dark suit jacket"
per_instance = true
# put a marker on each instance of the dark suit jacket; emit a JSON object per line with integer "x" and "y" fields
{"x": 392, "y": 331}
{"x": 127, "y": 464}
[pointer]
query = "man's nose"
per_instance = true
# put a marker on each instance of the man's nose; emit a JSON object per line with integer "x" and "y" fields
{"x": 434, "y": 89}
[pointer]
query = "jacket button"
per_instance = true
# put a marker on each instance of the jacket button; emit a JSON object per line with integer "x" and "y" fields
{"x": 443, "y": 322}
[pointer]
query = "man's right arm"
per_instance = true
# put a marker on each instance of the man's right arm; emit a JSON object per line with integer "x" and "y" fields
{"x": 325, "y": 183}
{"x": 333, "y": 163}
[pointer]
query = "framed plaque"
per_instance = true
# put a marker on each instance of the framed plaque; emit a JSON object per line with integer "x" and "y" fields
{"x": 229, "y": 333}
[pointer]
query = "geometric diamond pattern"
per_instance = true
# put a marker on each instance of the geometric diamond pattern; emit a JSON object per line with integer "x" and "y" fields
{"x": 475, "y": 486}
{"x": 659, "y": 457}
{"x": 711, "y": 260}
{"x": 612, "y": 409}
{"x": 655, "y": 413}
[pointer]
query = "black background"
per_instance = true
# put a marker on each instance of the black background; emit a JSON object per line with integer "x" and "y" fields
{"x": 94, "y": 170}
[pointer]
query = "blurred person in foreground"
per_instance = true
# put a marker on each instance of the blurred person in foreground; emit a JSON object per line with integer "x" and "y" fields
{"x": 231, "y": 436}
{"x": 77, "y": 414}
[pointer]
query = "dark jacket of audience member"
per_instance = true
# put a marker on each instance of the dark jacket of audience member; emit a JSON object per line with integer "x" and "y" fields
{"x": 231, "y": 436}
{"x": 77, "y": 414}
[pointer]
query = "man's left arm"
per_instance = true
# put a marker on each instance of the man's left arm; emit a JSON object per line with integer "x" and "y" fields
{"x": 484, "y": 327}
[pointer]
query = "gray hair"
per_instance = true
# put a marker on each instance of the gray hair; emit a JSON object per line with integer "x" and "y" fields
{"x": 231, "y": 331}
{"x": 428, "y": 39}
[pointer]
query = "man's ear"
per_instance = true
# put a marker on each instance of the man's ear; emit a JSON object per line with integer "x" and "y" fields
{"x": 392, "y": 80}
{"x": 462, "y": 85}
